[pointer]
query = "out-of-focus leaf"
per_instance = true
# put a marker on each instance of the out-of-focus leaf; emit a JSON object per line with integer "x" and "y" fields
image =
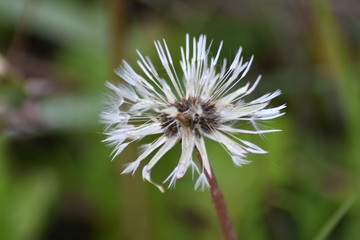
{"x": 66, "y": 22}
{"x": 71, "y": 113}
{"x": 26, "y": 204}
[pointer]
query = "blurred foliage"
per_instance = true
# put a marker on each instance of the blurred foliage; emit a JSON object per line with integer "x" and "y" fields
{"x": 56, "y": 177}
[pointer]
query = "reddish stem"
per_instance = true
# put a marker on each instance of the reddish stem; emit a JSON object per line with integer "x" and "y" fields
{"x": 219, "y": 204}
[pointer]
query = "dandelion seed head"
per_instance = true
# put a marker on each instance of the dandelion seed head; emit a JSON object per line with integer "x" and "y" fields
{"x": 205, "y": 103}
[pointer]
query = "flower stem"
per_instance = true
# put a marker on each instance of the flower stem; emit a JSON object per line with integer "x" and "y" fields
{"x": 219, "y": 204}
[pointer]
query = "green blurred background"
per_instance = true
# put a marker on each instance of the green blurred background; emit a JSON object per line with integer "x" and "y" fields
{"x": 56, "y": 177}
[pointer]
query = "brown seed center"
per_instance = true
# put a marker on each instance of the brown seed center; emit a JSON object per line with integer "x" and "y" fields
{"x": 192, "y": 113}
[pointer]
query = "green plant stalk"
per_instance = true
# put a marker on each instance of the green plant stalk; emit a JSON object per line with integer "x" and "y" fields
{"x": 335, "y": 218}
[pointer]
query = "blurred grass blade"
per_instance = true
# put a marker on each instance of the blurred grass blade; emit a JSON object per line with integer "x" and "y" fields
{"x": 335, "y": 219}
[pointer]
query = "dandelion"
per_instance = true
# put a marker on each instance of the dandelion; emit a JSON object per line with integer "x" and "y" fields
{"x": 204, "y": 101}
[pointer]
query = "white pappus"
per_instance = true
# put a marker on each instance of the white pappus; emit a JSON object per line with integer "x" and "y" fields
{"x": 204, "y": 101}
